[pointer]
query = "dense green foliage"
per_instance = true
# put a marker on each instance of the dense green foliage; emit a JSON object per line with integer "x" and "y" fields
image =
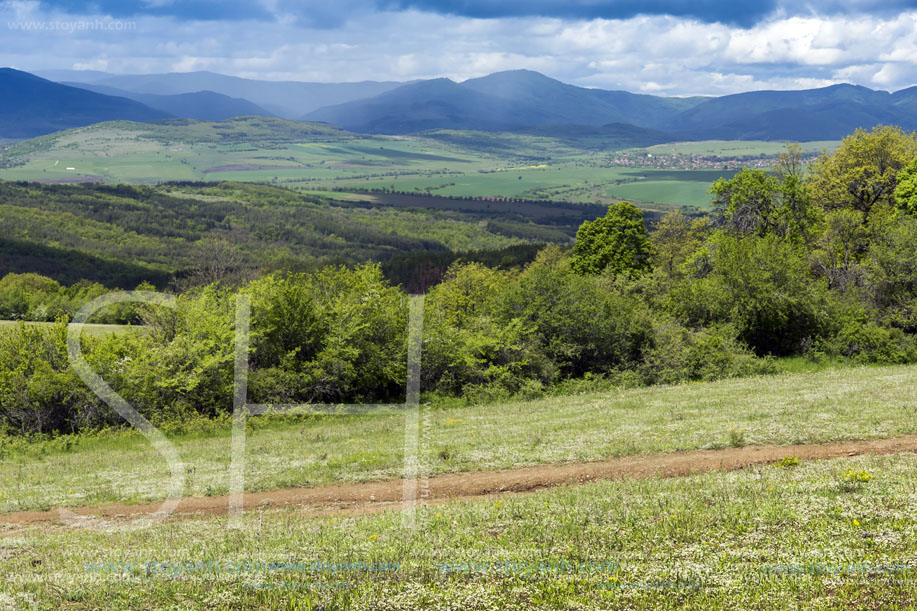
{"x": 863, "y": 172}
{"x": 617, "y": 242}
{"x": 776, "y": 272}
{"x": 121, "y": 235}
{"x": 38, "y": 298}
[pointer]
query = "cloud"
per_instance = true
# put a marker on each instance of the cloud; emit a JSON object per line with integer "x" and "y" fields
{"x": 738, "y": 12}
{"x": 651, "y": 53}
{"x": 327, "y": 15}
{"x": 198, "y": 10}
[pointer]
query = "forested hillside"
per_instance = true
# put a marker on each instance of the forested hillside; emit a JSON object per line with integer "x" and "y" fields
{"x": 121, "y": 235}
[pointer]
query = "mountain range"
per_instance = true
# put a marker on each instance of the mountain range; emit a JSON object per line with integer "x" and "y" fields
{"x": 517, "y": 100}
{"x": 287, "y": 99}
{"x": 32, "y": 106}
{"x": 204, "y": 105}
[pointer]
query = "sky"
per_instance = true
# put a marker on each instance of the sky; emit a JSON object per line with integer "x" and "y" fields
{"x": 665, "y": 47}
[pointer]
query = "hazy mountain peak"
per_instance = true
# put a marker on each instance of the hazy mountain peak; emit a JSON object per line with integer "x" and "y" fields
{"x": 32, "y": 106}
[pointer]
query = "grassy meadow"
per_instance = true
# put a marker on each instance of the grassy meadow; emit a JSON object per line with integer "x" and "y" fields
{"x": 828, "y": 535}
{"x": 827, "y": 405}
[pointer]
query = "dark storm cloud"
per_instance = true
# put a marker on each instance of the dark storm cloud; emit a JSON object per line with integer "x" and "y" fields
{"x": 321, "y": 13}
{"x": 742, "y": 13}
{"x": 193, "y": 10}
{"x": 737, "y": 12}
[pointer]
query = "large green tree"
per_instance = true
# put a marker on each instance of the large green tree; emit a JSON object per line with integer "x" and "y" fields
{"x": 755, "y": 202}
{"x": 616, "y": 242}
{"x": 748, "y": 201}
{"x": 675, "y": 238}
{"x": 863, "y": 171}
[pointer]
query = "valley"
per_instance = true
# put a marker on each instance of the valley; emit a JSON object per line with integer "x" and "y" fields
{"x": 319, "y": 159}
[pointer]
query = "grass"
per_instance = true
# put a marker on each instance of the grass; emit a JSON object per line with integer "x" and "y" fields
{"x": 673, "y": 192}
{"x": 828, "y": 405}
{"x": 88, "y": 328}
{"x": 767, "y": 538}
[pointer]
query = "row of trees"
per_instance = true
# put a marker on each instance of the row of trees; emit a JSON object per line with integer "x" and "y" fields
{"x": 817, "y": 262}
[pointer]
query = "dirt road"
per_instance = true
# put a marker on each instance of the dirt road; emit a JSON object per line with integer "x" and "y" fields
{"x": 376, "y": 496}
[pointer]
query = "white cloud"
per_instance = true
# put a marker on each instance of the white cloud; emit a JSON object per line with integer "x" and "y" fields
{"x": 656, "y": 54}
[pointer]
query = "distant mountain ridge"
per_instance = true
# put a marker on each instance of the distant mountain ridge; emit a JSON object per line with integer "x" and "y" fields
{"x": 503, "y": 101}
{"x": 203, "y": 105}
{"x": 287, "y": 99}
{"x": 826, "y": 113}
{"x": 31, "y": 106}
{"x": 528, "y": 99}
{"x": 515, "y": 100}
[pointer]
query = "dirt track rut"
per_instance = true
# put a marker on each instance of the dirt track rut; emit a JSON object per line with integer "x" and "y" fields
{"x": 375, "y": 496}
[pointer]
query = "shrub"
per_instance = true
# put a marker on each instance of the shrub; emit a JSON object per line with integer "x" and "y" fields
{"x": 760, "y": 285}
{"x": 579, "y": 326}
{"x": 39, "y": 392}
{"x": 863, "y": 340}
{"x": 339, "y": 335}
{"x": 678, "y": 354}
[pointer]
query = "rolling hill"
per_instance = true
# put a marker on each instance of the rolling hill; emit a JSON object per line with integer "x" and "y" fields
{"x": 121, "y": 235}
{"x": 32, "y": 106}
{"x": 288, "y": 99}
{"x": 204, "y": 105}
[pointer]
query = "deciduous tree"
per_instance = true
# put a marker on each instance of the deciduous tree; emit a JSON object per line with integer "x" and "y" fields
{"x": 617, "y": 242}
{"x": 863, "y": 171}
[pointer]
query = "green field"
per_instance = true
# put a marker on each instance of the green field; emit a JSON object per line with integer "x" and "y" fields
{"x": 88, "y": 328}
{"x": 733, "y": 148}
{"x": 835, "y": 404}
{"x": 769, "y": 538}
{"x": 672, "y": 187}
{"x": 316, "y": 157}
{"x": 826, "y": 534}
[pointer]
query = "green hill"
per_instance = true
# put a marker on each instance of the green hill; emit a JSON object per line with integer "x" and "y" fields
{"x": 121, "y": 235}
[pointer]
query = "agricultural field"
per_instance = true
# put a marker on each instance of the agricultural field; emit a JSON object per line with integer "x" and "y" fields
{"x": 734, "y": 148}
{"x": 682, "y": 188}
{"x": 832, "y": 533}
{"x": 317, "y": 157}
{"x": 88, "y": 328}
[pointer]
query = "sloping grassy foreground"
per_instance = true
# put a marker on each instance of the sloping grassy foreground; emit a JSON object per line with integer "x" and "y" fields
{"x": 836, "y": 404}
{"x": 831, "y": 534}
